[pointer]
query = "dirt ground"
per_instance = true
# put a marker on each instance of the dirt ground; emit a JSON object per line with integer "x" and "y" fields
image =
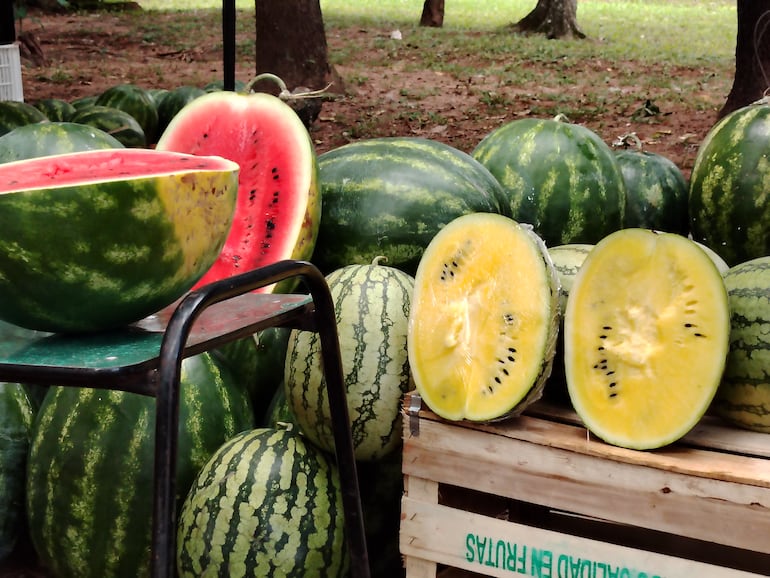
{"x": 86, "y": 53}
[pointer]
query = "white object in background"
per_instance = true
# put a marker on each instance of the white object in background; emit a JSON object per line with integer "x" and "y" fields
{"x": 10, "y": 73}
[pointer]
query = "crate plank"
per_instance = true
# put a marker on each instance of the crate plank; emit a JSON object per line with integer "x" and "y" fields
{"x": 630, "y": 491}
{"x": 501, "y": 548}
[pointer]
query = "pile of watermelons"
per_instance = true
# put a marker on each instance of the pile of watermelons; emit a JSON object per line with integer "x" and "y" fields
{"x": 541, "y": 263}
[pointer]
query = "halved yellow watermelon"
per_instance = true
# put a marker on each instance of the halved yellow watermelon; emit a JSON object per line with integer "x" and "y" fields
{"x": 484, "y": 318}
{"x": 646, "y": 336}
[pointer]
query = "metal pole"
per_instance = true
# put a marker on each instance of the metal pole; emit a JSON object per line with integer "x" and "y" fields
{"x": 7, "y": 22}
{"x": 228, "y": 43}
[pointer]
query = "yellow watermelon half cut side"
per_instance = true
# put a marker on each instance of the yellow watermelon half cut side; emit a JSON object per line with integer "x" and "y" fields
{"x": 646, "y": 336}
{"x": 484, "y": 319}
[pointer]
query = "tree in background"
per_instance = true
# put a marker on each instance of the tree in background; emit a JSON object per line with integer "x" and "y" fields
{"x": 752, "y": 55}
{"x": 291, "y": 43}
{"x": 432, "y": 13}
{"x": 554, "y": 18}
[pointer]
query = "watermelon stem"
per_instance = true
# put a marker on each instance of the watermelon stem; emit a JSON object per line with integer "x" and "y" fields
{"x": 285, "y": 94}
{"x": 628, "y": 140}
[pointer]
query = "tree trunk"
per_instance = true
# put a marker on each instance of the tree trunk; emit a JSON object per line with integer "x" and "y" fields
{"x": 291, "y": 43}
{"x": 554, "y": 18}
{"x": 432, "y": 13}
{"x": 752, "y": 55}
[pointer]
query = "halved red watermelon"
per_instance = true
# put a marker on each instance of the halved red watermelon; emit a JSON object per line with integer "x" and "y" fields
{"x": 278, "y": 209}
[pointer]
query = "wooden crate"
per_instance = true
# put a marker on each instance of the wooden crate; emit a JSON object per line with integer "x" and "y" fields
{"x": 537, "y": 496}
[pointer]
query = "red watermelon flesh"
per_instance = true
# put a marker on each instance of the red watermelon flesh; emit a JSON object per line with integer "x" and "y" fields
{"x": 278, "y": 208}
{"x": 102, "y": 165}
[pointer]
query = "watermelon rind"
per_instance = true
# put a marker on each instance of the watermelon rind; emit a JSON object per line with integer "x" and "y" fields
{"x": 53, "y": 138}
{"x": 389, "y": 196}
{"x": 98, "y": 253}
{"x": 16, "y": 417}
{"x": 371, "y": 305}
{"x": 135, "y": 101}
{"x": 558, "y": 176}
{"x": 728, "y": 204}
{"x": 89, "y": 487}
{"x": 266, "y": 504}
{"x": 743, "y": 397}
{"x": 14, "y": 113}
{"x": 115, "y": 122}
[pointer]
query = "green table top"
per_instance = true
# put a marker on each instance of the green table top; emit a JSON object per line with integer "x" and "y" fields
{"x": 139, "y": 344}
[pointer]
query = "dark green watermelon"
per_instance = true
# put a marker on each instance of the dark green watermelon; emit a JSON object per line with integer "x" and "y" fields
{"x": 89, "y": 487}
{"x": 53, "y": 138}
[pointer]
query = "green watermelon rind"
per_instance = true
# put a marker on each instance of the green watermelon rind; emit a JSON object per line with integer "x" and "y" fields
{"x": 53, "y": 138}
{"x": 106, "y": 253}
{"x": 743, "y": 397}
{"x": 559, "y": 177}
{"x": 16, "y": 418}
{"x": 89, "y": 486}
{"x": 656, "y": 192}
{"x": 389, "y": 196}
{"x": 371, "y": 305}
{"x": 727, "y": 196}
{"x": 266, "y": 504}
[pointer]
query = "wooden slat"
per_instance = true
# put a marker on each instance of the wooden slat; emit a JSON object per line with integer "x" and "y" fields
{"x": 729, "y": 467}
{"x": 521, "y": 549}
{"x": 711, "y": 433}
{"x": 541, "y": 462}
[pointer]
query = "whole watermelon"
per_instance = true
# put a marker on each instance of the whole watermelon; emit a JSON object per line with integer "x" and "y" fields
{"x": 371, "y": 305}
{"x": 559, "y": 177}
{"x": 115, "y": 122}
{"x": 266, "y": 504}
{"x": 137, "y": 102}
{"x": 743, "y": 397}
{"x": 89, "y": 489}
{"x": 389, "y": 196}
{"x": 657, "y": 192}
{"x": 53, "y": 138}
{"x": 14, "y": 114}
{"x": 728, "y": 202}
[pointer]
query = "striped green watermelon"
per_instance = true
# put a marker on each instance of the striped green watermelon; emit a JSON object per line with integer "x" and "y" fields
{"x": 89, "y": 484}
{"x": 173, "y": 101}
{"x": 53, "y": 138}
{"x": 656, "y": 192}
{"x": 559, "y": 177}
{"x": 101, "y": 238}
{"x": 16, "y": 415}
{"x": 14, "y": 113}
{"x": 371, "y": 305}
{"x": 137, "y": 102}
{"x": 266, "y": 504}
{"x": 279, "y": 207}
{"x": 84, "y": 101}
{"x": 743, "y": 397}
{"x": 55, "y": 109}
{"x": 390, "y": 196}
{"x": 728, "y": 202}
{"x": 115, "y": 122}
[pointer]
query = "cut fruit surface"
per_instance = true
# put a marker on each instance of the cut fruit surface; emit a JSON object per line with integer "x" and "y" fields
{"x": 484, "y": 319}
{"x": 646, "y": 334}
